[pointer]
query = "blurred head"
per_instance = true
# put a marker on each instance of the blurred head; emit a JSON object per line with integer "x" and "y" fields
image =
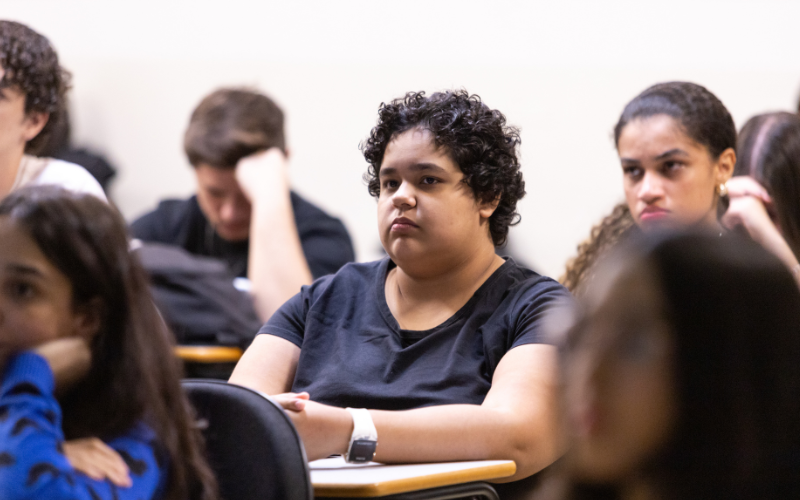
{"x": 769, "y": 146}
{"x": 33, "y": 87}
{"x": 228, "y": 125}
{"x": 445, "y": 162}
{"x": 676, "y": 143}
{"x": 682, "y": 370}
{"x": 71, "y": 271}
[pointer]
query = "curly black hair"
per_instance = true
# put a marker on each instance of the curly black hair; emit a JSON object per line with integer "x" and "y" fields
{"x": 31, "y": 66}
{"x": 476, "y": 138}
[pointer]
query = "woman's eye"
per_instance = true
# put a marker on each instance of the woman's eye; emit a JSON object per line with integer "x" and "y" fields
{"x": 632, "y": 171}
{"x": 389, "y": 184}
{"x": 429, "y": 180}
{"x": 672, "y": 166}
{"x": 20, "y": 290}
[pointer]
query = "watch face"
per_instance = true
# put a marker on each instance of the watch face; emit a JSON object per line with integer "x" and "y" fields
{"x": 362, "y": 450}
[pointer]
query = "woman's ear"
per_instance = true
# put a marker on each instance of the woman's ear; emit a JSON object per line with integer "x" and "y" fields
{"x": 725, "y": 165}
{"x": 487, "y": 208}
{"x": 88, "y": 319}
{"x": 34, "y": 123}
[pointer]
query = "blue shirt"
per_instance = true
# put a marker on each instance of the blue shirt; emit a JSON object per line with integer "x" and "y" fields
{"x": 353, "y": 352}
{"x": 32, "y": 464}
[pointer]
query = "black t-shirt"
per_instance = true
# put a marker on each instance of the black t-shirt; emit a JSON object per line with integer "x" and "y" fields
{"x": 325, "y": 241}
{"x": 353, "y": 352}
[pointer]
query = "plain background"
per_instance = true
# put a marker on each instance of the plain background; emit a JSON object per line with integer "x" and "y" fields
{"x": 561, "y": 71}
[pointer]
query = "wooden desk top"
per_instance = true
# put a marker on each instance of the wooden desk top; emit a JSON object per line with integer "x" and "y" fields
{"x": 333, "y": 477}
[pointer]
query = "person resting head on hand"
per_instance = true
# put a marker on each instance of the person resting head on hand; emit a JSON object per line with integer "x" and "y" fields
{"x": 676, "y": 143}
{"x": 765, "y": 190}
{"x": 84, "y": 356}
{"x": 680, "y": 375}
{"x": 442, "y": 340}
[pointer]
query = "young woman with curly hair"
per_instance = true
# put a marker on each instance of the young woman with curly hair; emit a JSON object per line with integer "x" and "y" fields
{"x": 33, "y": 87}
{"x": 677, "y": 147}
{"x": 441, "y": 342}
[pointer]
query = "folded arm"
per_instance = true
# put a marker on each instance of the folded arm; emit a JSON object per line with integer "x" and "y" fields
{"x": 517, "y": 420}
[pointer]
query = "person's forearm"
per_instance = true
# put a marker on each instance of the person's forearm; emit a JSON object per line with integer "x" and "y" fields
{"x": 468, "y": 432}
{"x": 277, "y": 267}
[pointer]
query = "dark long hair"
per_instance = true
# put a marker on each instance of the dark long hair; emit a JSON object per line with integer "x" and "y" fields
{"x": 769, "y": 151}
{"x": 134, "y": 375}
{"x": 735, "y": 314}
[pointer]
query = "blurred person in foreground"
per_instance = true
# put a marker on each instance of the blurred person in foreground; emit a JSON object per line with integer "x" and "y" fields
{"x": 680, "y": 373}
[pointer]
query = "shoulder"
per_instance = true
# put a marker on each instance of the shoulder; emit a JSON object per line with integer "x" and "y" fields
{"x": 351, "y": 280}
{"x": 69, "y": 176}
{"x": 168, "y": 220}
{"x": 525, "y": 282}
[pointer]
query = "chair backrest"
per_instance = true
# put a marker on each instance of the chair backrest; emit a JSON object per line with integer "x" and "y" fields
{"x": 252, "y": 445}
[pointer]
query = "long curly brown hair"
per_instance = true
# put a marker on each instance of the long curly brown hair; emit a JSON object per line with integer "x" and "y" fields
{"x": 31, "y": 66}
{"x": 604, "y": 236}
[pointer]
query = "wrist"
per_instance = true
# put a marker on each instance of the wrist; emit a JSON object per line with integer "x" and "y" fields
{"x": 364, "y": 438}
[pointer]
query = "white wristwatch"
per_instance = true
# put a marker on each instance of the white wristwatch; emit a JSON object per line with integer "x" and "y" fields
{"x": 364, "y": 439}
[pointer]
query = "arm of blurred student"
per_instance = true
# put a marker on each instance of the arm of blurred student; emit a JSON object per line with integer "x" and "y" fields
{"x": 748, "y": 210}
{"x": 277, "y": 266}
{"x": 517, "y": 421}
{"x": 31, "y": 463}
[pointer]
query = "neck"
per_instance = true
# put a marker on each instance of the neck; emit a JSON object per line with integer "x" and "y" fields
{"x": 421, "y": 301}
{"x": 9, "y": 167}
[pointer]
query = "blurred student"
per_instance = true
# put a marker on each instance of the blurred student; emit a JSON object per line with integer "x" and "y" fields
{"x": 677, "y": 148}
{"x": 83, "y": 353}
{"x": 33, "y": 89}
{"x": 435, "y": 353}
{"x": 244, "y": 212}
{"x": 681, "y": 375}
{"x": 765, "y": 192}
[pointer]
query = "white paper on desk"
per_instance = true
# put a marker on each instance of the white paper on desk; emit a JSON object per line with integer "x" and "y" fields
{"x": 333, "y": 471}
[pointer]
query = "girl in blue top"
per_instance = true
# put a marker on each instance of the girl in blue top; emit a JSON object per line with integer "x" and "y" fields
{"x": 84, "y": 353}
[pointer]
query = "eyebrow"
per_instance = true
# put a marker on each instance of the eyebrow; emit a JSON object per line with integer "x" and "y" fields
{"x": 24, "y": 270}
{"x": 664, "y": 155}
{"x": 417, "y": 167}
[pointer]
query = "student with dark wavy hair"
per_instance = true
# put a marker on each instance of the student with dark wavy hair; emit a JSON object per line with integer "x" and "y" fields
{"x": 439, "y": 346}
{"x": 677, "y": 147}
{"x": 84, "y": 354}
{"x": 765, "y": 192}
{"x": 33, "y": 89}
{"x": 680, "y": 375}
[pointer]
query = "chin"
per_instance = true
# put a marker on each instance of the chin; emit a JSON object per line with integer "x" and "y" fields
{"x": 233, "y": 236}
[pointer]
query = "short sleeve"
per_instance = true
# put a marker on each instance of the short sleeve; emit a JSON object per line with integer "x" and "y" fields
{"x": 527, "y": 316}
{"x": 72, "y": 177}
{"x": 289, "y": 322}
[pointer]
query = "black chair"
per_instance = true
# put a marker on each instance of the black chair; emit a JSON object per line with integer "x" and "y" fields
{"x": 253, "y": 447}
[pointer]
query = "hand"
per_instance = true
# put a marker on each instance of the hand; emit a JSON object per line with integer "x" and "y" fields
{"x": 69, "y": 359}
{"x": 749, "y": 203}
{"x": 291, "y": 401}
{"x": 263, "y": 174}
{"x": 324, "y": 430}
{"x": 98, "y": 461}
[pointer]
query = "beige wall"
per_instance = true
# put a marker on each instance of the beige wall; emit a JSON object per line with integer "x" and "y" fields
{"x": 562, "y": 71}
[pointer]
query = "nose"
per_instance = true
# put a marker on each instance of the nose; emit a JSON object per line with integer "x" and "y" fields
{"x": 651, "y": 188}
{"x": 404, "y": 197}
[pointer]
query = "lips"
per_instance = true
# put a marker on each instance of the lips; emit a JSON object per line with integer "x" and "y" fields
{"x": 403, "y": 224}
{"x": 653, "y": 214}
